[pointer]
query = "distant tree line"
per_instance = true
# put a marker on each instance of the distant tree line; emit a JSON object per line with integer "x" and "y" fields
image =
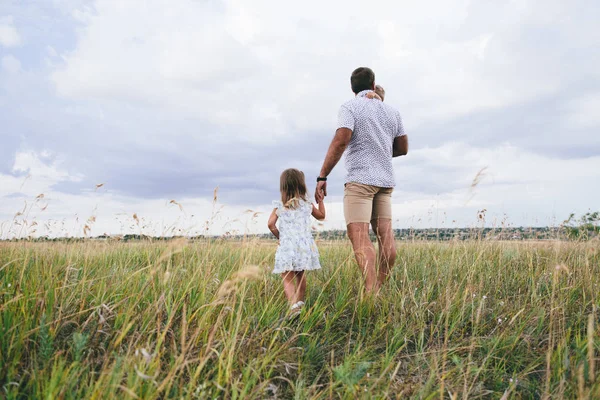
{"x": 586, "y": 227}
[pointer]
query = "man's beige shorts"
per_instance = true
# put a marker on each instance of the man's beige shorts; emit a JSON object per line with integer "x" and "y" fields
{"x": 365, "y": 203}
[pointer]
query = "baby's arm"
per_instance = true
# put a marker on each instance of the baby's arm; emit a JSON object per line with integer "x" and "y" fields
{"x": 272, "y": 223}
{"x": 319, "y": 213}
{"x": 373, "y": 95}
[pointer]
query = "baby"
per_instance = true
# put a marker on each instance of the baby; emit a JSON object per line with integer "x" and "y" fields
{"x": 378, "y": 93}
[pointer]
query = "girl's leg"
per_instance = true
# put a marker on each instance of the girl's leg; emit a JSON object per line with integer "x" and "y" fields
{"x": 300, "y": 285}
{"x": 289, "y": 286}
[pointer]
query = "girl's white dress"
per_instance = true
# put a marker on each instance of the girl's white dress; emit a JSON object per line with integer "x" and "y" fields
{"x": 297, "y": 249}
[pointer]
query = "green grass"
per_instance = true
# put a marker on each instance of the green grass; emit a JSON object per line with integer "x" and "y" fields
{"x": 197, "y": 320}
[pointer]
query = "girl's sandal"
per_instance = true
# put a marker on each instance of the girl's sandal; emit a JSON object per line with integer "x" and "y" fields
{"x": 296, "y": 309}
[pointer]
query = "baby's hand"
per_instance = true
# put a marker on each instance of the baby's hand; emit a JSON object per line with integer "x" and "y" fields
{"x": 373, "y": 95}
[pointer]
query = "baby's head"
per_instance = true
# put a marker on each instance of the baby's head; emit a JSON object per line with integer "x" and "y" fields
{"x": 293, "y": 187}
{"x": 380, "y": 91}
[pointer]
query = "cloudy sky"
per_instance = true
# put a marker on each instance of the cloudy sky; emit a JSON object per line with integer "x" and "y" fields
{"x": 167, "y": 100}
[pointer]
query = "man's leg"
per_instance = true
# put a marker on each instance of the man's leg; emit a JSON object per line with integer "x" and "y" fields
{"x": 381, "y": 220}
{"x": 358, "y": 232}
{"x": 358, "y": 207}
{"x": 387, "y": 247}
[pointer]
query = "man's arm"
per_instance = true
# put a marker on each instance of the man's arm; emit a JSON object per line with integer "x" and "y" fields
{"x": 401, "y": 140}
{"x": 400, "y": 146}
{"x": 336, "y": 149}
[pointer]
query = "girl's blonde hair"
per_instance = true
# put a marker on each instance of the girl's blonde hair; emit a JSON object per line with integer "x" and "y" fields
{"x": 293, "y": 187}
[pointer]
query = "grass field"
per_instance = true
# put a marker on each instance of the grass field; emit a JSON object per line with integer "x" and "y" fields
{"x": 197, "y": 320}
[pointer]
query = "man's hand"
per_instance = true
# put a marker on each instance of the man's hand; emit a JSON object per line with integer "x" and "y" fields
{"x": 400, "y": 146}
{"x": 321, "y": 191}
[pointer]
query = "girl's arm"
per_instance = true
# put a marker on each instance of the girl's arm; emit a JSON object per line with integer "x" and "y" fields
{"x": 272, "y": 223}
{"x": 319, "y": 213}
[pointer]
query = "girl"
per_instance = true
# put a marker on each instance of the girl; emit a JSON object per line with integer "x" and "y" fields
{"x": 297, "y": 251}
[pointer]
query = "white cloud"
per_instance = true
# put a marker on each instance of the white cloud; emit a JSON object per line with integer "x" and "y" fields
{"x": 34, "y": 173}
{"x": 583, "y": 111}
{"x": 9, "y": 37}
{"x": 180, "y": 57}
{"x": 525, "y": 185}
{"x": 223, "y": 64}
{"x": 31, "y": 206}
{"x": 11, "y": 64}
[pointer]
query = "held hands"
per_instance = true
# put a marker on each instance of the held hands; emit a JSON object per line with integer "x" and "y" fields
{"x": 321, "y": 191}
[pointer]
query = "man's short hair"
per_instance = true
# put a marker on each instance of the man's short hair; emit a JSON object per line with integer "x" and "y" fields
{"x": 361, "y": 79}
{"x": 380, "y": 91}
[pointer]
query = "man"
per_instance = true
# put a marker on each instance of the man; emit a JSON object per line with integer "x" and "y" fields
{"x": 372, "y": 133}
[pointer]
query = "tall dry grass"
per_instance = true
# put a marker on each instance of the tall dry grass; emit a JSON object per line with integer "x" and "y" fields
{"x": 205, "y": 320}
